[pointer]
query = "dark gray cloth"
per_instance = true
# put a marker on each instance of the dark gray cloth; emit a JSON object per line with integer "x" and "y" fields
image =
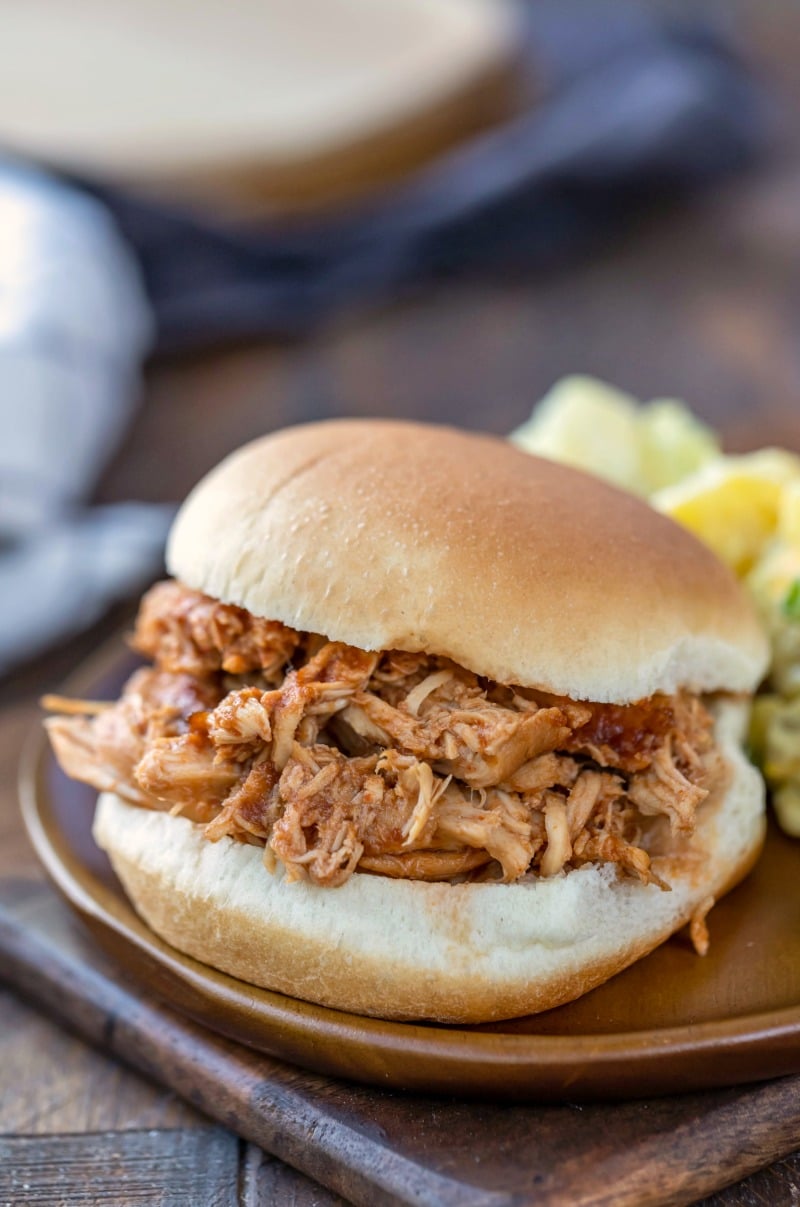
{"x": 631, "y": 108}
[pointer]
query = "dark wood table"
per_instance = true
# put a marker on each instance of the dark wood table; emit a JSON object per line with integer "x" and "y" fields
{"x": 699, "y": 301}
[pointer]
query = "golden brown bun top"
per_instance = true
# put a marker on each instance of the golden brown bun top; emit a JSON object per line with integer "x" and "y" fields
{"x": 404, "y": 536}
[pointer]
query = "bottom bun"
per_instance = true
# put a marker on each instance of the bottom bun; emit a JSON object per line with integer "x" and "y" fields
{"x": 404, "y": 949}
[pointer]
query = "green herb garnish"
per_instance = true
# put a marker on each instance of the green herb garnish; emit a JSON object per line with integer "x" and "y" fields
{"x": 791, "y": 604}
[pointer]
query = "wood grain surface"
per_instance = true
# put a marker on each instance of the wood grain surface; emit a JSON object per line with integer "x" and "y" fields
{"x": 376, "y": 1147}
{"x": 699, "y": 301}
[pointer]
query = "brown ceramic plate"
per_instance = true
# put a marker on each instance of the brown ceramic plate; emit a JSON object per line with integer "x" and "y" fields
{"x": 670, "y": 1023}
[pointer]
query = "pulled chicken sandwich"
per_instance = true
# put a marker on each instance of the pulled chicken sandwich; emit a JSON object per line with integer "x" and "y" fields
{"x": 430, "y": 728}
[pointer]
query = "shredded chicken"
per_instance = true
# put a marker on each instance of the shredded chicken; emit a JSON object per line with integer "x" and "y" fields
{"x": 498, "y": 822}
{"x": 480, "y": 743}
{"x": 698, "y": 928}
{"x": 663, "y": 788}
{"x": 327, "y": 808}
{"x": 251, "y": 810}
{"x": 185, "y": 771}
{"x": 106, "y": 750}
{"x": 182, "y": 630}
{"x": 630, "y": 736}
{"x": 559, "y": 844}
{"x": 425, "y": 865}
{"x": 69, "y": 707}
{"x": 398, "y": 764}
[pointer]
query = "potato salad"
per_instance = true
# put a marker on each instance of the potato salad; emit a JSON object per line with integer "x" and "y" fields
{"x": 746, "y": 508}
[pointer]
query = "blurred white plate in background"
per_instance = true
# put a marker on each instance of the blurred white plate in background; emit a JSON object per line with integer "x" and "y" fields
{"x": 277, "y": 103}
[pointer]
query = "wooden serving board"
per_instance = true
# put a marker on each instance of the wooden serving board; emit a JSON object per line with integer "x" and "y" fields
{"x": 375, "y": 1147}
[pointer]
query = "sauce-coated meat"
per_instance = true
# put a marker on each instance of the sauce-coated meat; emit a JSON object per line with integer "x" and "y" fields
{"x": 335, "y": 759}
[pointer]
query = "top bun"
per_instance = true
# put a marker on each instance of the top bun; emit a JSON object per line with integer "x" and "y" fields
{"x": 404, "y": 536}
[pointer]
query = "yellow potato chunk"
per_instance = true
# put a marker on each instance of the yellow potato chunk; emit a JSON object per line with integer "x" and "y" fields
{"x": 733, "y": 503}
{"x": 673, "y": 443}
{"x": 787, "y": 807}
{"x": 789, "y": 515}
{"x": 592, "y": 426}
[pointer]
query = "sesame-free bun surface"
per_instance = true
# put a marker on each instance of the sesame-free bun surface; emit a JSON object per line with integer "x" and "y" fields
{"x": 405, "y": 536}
{"x": 410, "y": 949}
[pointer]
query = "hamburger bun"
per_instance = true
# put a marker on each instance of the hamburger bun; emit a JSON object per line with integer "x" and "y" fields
{"x": 393, "y": 536}
{"x": 404, "y": 536}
